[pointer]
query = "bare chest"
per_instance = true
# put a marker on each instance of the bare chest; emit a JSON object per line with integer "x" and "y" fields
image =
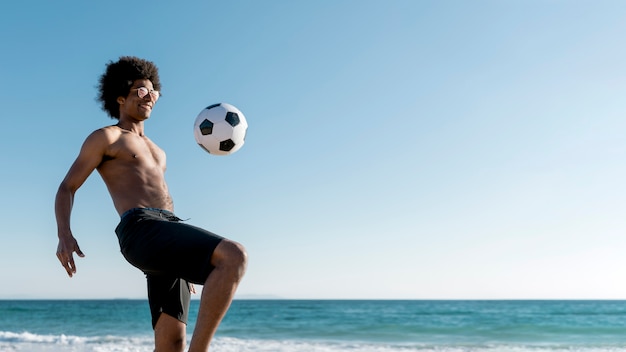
{"x": 139, "y": 150}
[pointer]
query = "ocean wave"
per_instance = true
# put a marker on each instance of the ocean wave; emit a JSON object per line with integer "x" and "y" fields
{"x": 29, "y": 342}
{"x": 238, "y": 345}
{"x": 27, "y": 337}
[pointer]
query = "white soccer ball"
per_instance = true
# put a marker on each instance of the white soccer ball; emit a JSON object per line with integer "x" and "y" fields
{"x": 220, "y": 129}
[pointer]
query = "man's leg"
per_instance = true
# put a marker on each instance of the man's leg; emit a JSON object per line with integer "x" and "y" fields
{"x": 229, "y": 260}
{"x": 169, "y": 306}
{"x": 169, "y": 334}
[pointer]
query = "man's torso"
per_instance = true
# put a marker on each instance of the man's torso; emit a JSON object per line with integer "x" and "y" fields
{"x": 133, "y": 168}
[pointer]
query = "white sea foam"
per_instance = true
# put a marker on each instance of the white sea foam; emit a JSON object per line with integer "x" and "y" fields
{"x": 29, "y": 342}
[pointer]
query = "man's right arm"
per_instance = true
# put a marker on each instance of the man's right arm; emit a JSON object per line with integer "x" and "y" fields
{"x": 88, "y": 159}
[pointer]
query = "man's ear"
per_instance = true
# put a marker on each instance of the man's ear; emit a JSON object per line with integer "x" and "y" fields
{"x": 121, "y": 100}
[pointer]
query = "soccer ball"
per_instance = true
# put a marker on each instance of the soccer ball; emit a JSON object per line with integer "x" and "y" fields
{"x": 220, "y": 129}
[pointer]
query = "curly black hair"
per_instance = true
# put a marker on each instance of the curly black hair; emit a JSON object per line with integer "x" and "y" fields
{"x": 120, "y": 76}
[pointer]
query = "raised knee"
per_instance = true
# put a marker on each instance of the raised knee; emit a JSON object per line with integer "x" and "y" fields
{"x": 232, "y": 254}
{"x": 239, "y": 255}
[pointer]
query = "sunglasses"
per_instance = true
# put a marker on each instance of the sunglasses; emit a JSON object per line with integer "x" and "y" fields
{"x": 143, "y": 91}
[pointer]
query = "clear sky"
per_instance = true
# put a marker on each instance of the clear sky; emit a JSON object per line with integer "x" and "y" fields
{"x": 396, "y": 149}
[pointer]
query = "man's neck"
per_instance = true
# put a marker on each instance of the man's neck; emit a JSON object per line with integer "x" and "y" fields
{"x": 135, "y": 127}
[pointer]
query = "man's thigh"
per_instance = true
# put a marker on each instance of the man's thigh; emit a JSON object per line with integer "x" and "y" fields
{"x": 175, "y": 249}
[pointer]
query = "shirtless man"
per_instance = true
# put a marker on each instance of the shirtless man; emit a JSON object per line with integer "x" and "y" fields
{"x": 172, "y": 254}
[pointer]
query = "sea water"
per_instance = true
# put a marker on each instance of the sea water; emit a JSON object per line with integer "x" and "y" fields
{"x": 327, "y": 326}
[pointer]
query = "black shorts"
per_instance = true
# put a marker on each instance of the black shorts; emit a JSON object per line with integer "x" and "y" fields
{"x": 170, "y": 253}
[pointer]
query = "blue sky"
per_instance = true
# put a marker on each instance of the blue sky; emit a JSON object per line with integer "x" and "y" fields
{"x": 396, "y": 149}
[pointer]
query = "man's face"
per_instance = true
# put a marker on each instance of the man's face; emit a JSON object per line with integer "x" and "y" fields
{"x": 140, "y": 100}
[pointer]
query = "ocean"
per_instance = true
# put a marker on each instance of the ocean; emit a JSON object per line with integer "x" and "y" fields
{"x": 328, "y": 326}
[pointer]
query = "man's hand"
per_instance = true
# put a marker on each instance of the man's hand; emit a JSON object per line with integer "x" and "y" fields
{"x": 65, "y": 252}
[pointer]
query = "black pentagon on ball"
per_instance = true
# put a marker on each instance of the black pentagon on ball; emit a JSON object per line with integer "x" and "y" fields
{"x": 232, "y": 118}
{"x": 206, "y": 127}
{"x": 227, "y": 145}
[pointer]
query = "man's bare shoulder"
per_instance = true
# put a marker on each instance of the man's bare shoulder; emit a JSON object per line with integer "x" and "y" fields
{"x": 104, "y": 136}
{"x": 100, "y": 140}
{"x": 106, "y": 132}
